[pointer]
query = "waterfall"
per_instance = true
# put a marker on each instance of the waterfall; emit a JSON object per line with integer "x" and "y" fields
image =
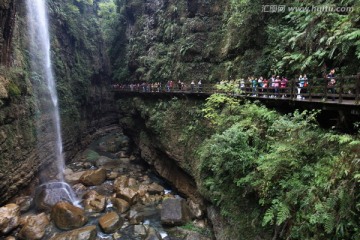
{"x": 42, "y": 71}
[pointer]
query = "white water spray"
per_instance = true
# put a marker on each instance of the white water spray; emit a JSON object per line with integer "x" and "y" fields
{"x": 56, "y": 189}
{"x": 40, "y": 51}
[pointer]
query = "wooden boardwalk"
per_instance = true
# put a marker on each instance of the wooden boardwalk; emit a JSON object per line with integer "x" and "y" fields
{"x": 345, "y": 96}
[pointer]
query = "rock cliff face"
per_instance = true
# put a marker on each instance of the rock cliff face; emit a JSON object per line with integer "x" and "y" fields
{"x": 7, "y": 19}
{"x": 82, "y": 75}
{"x": 175, "y": 40}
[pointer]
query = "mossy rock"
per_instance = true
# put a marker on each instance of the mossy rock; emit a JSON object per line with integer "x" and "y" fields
{"x": 90, "y": 155}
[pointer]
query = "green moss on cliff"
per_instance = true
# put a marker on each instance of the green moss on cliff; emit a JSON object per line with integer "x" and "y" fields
{"x": 13, "y": 90}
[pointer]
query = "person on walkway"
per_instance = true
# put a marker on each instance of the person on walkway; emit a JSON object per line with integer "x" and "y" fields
{"x": 331, "y": 83}
{"x": 192, "y": 84}
{"x": 254, "y": 84}
{"x": 271, "y": 83}
{"x": 171, "y": 85}
{"x": 276, "y": 85}
{"x": 300, "y": 85}
{"x": 168, "y": 86}
{"x": 199, "y": 86}
{"x": 242, "y": 85}
{"x": 283, "y": 85}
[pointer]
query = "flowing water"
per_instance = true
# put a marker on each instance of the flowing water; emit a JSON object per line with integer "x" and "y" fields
{"x": 43, "y": 76}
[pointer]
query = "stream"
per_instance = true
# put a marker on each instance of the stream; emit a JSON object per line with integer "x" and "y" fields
{"x": 140, "y": 200}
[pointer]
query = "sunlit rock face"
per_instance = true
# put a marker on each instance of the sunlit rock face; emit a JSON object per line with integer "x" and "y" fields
{"x": 9, "y": 217}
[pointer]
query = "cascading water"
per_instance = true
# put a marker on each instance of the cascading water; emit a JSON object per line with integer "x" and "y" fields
{"x": 48, "y": 100}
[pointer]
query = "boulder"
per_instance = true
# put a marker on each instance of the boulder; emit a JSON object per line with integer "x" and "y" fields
{"x": 34, "y": 227}
{"x": 155, "y": 188}
{"x": 85, "y": 233}
{"x": 128, "y": 194}
{"x": 47, "y": 195}
{"x": 10, "y": 238}
{"x": 195, "y": 209}
{"x": 153, "y": 235}
{"x": 132, "y": 182}
{"x": 112, "y": 175}
{"x": 146, "y": 179}
{"x": 140, "y": 230}
{"x": 93, "y": 177}
{"x": 94, "y": 202}
{"x": 196, "y": 236}
{"x": 79, "y": 188}
{"x": 121, "y": 182}
{"x": 73, "y": 177}
{"x": 9, "y": 217}
{"x": 110, "y": 222}
{"x": 25, "y": 202}
{"x": 142, "y": 190}
{"x": 107, "y": 163}
{"x": 135, "y": 217}
{"x": 174, "y": 212}
{"x": 120, "y": 205}
{"x": 66, "y": 216}
{"x": 151, "y": 199}
{"x": 103, "y": 160}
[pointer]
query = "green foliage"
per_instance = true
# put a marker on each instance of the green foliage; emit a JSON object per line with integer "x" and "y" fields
{"x": 14, "y": 90}
{"x": 108, "y": 18}
{"x": 309, "y": 40}
{"x": 303, "y": 178}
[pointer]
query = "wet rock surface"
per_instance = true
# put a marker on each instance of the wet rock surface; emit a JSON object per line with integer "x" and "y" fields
{"x": 85, "y": 233}
{"x": 94, "y": 202}
{"x": 93, "y": 177}
{"x": 110, "y": 222}
{"x": 66, "y": 216}
{"x": 47, "y": 195}
{"x": 9, "y": 217}
{"x": 174, "y": 212}
{"x": 118, "y": 198}
{"x": 34, "y": 227}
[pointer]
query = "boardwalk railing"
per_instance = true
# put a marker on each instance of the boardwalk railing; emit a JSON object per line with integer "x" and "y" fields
{"x": 345, "y": 89}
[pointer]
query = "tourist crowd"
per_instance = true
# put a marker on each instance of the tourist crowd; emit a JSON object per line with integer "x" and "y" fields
{"x": 274, "y": 86}
{"x": 159, "y": 87}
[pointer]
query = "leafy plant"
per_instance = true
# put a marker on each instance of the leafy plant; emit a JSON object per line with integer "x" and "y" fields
{"x": 303, "y": 190}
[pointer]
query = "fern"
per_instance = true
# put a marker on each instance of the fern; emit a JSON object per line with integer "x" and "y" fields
{"x": 269, "y": 217}
{"x": 283, "y": 213}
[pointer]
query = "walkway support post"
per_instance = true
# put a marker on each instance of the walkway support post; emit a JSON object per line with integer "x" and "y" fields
{"x": 310, "y": 83}
{"x": 325, "y": 88}
{"x": 341, "y": 89}
{"x": 357, "y": 89}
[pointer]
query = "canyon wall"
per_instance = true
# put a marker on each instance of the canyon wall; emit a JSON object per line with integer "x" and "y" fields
{"x": 82, "y": 75}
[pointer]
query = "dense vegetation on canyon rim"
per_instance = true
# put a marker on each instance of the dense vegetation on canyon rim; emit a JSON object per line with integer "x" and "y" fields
{"x": 304, "y": 178}
{"x": 265, "y": 171}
